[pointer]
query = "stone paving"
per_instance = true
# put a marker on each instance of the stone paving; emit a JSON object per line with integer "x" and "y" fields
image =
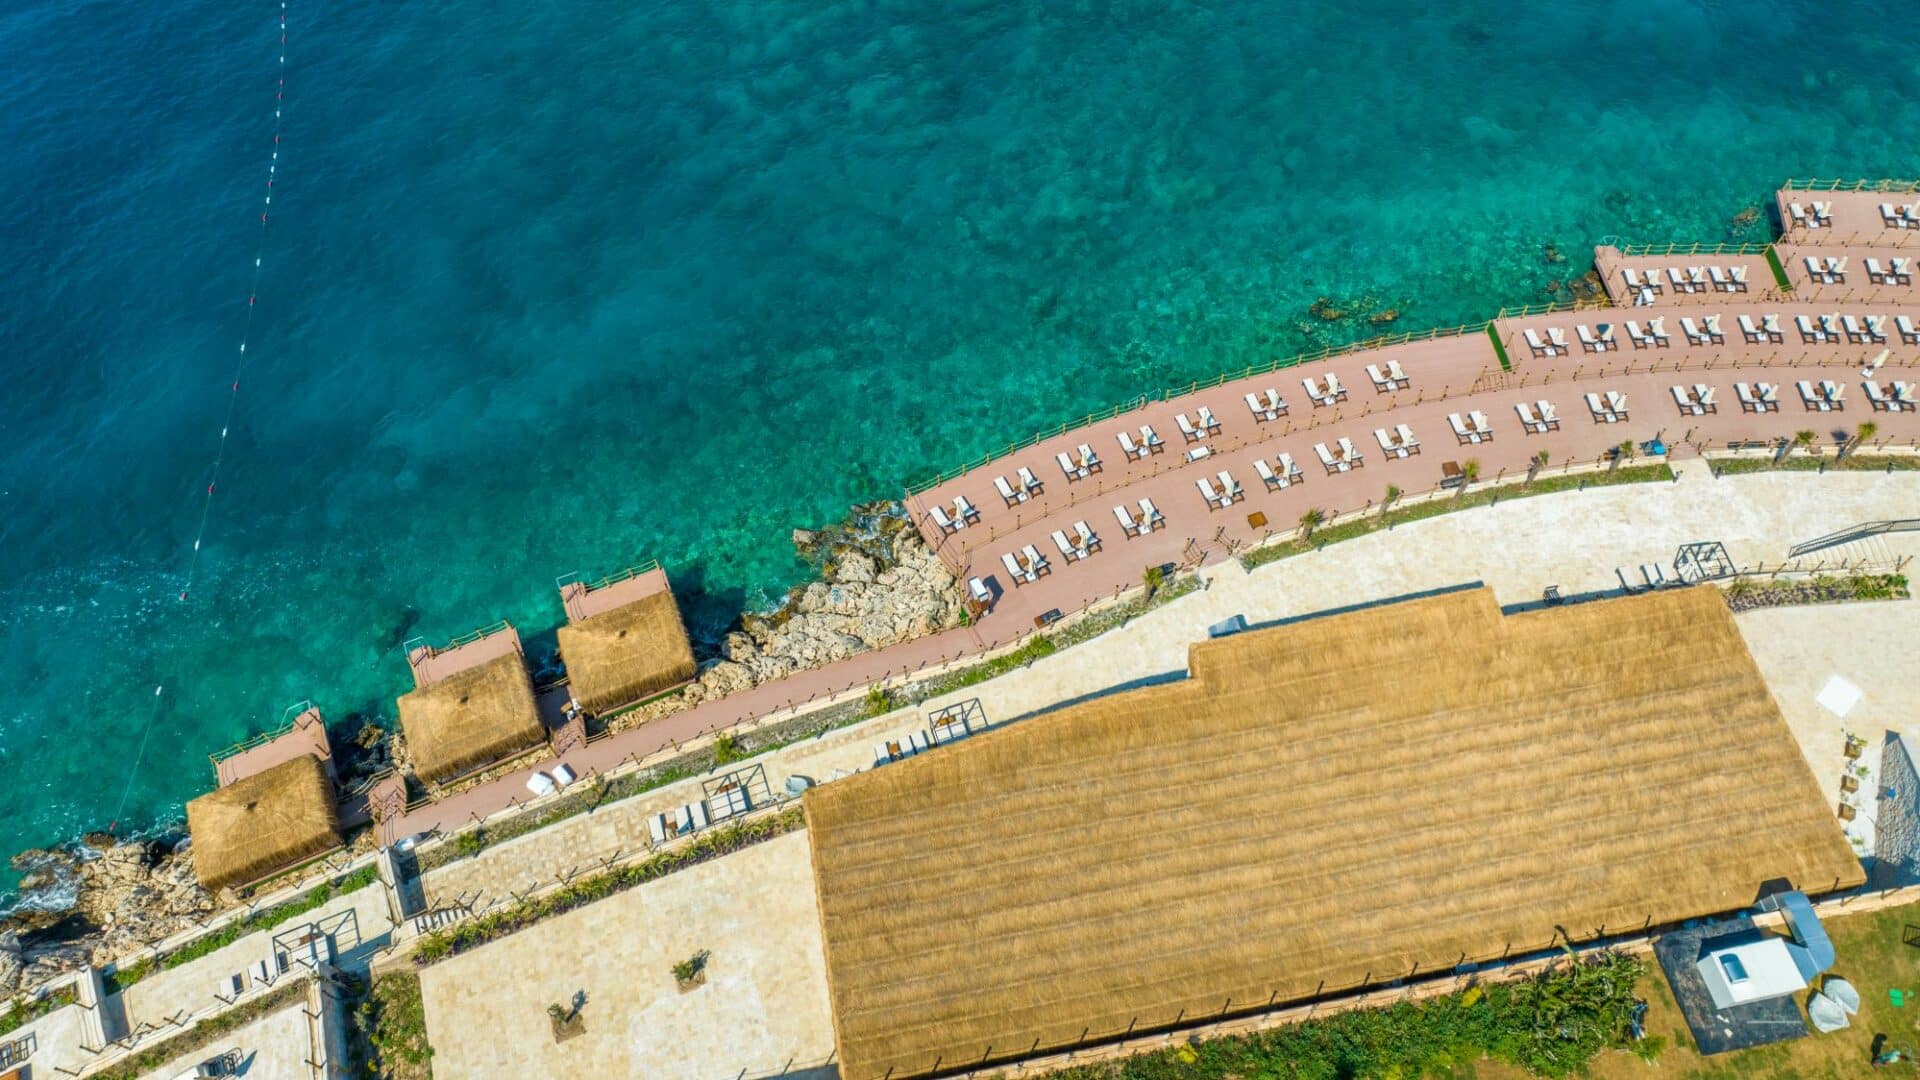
{"x": 1575, "y": 540}
{"x": 763, "y": 1005}
{"x": 277, "y": 1045}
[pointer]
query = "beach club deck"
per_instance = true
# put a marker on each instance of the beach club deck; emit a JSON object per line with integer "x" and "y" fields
{"x": 624, "y": 639}
{"x": 305, "y": 734}
{"x": 1414, "y": 409}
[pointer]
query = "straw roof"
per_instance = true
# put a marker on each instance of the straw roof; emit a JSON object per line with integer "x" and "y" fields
{"x": 262, "y": 823}
{"x": 471, "y": 718}
{"x": 625, "y": 654}
{"x": 1359, "y": 797}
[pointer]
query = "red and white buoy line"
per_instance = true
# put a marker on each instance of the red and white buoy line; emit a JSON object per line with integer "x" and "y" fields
{"x": 233, "y": 395}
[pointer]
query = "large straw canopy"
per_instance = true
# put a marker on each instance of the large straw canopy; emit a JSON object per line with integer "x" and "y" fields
{"x": 1348, "y": 799}
{"x": 623, "y": 655}
{"x": 263, "y": 823}
{"x": 471, "y": 718}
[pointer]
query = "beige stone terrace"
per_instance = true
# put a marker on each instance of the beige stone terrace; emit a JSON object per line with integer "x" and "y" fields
{"x": 1574, "y": 540}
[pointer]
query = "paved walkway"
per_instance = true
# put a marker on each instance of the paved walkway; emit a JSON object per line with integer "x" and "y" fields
{"x": 1447, "y": 375}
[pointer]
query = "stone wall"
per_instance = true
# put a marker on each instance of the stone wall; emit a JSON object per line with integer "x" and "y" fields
{"x": 1896, "y": 840}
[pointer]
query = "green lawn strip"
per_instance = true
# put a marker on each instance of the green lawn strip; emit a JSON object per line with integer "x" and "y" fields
{"x": 1371, "y": 523}
{"x": 1780, "y": 277}
{"x": 747, "y": 745}
{"x": 1734, "y": 466}
{"x": 121, "y": 978}
{"x": 1499, "y": 348}
{"x": 387, "y": 1027}
{"x": 1552, "y": 1024}
{"x": 1746, "y": 594}
{"x": 207, "y": 1032}
{"x": 474, "y": 932}
{"x": 25, "y": 1011}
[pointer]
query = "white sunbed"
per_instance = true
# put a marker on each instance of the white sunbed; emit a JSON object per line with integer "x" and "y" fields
{"x": 1711, "y": 327}
{"x": 1587, "y": 340}
{"x": 1739, "y": 276}
{"x": 1013, "y": 567}
{"x": 1150, "y": 438}
{"x": 1479, "y": 421}
{"x": 1909, "y": 333}
{"x": 657, "y": 828}
{"x": 1067, "y": 550}
{"x": 1854, "y": 331}
{"x": 1816, "y": 269}
{"x": 1833, "y": 391}
{"x": 1547, "y": 415}
{"x": 1695, "y": 335}
{"x": 1229, "y": 487}
{"x": 1353, "y": 456}
{"x": 1748, "y": 402}
{"x": 1186, "y": 427}
{"x": 1265, "y": 472}
{"x": 1074, "y": 472}
{"x": 1657, "y": 330}
{"x": 1334, "y": 389}
{"x": 1407, "y": 441}
{"x": 1770, "y": 325}
{"x": 940, "y": 518}
{"x": 1876, "y": 328}
{"x": 1289, "y": 472}
{"x": 1808, "y": 330}
{"x": 1125, "y": 517}
{"x": 1538, "y": 346}
{"x": 1035, "y": 559}
{"x": 1749, "y": 330}
{"x": 1798, "y": 213}
{"x": 1527, "y": 419}
{"x": 699, "y": 808}
{"x": 1875, "y": 273}
{"x": 1206, "y": 492}
{"x": 1394, "y": 371}
{"x": 1557, "y": 337}
{"x": 1006, "y": 490}
{"x": 1385, "y": 440}
{"x": 1028, "y": 481}
{"x": 1380, "y": 380}
{"x": 1151, "y": 514}
{"x": 1314, "y": 393}
{"x": 964, "y": 508}
{"x": 1875, "y": 397}
{"x": 1679, "y": 279}
{"x": 1089, "y": 540}
{"x": 1327, "y": 459}
{"x": 683, "y": 819}
{"x": 1088, "y": 459}
{"x": 1460, "y": 429}
{"x": 1683, "y": 398}
{"x": 1128, "y": 447}
{"x": 541, "y": 784}
{"x": 1207, "y": 422}
{"x": 1617, "y": 401}
{"x": 1595, "y": 406}
{"x": 1811, "y": 397}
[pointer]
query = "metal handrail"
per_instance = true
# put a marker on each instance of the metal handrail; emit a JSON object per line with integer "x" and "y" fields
{"x": 1643, "y": 250}
{"x": 1851, "y": 185}
{"x": 1871, "y": 528}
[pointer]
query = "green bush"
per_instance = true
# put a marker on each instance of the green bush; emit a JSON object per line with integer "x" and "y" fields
{"x": 727, "y": 749}
{"x": 1551, "y": 1025}
{"x": 474, "y": 932}
{"x": 25, "y": 1011}
{"x": 122, "y": 977}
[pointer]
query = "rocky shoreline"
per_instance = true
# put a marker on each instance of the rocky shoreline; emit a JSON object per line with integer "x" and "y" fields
{"x": 101, "y": 897}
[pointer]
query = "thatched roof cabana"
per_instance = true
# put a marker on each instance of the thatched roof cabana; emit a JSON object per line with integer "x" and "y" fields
{"x": 1355, "y": 798}
{"x": 263, "y": 823}
{"x": 470, "y": 715}
{"x": 623, "y": 641}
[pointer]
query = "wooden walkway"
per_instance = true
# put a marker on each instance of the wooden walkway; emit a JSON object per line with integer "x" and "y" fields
{"x": 1445, "y": 376}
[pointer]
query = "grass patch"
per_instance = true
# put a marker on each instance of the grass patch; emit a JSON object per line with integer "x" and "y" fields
{"x": 1550, "y": 1025}
{"x": 730, "y": 748}
{"x": 1734, "y": 466}
{"x": 1780, "y": 278}
{"x": 207, "y": 1032}
{"x": 1401, "y": 515}
{"x": 387, "y": 1028}
{"x": 122, "y": 977}
{"x": 475, "y": 932}
{"x": 1871, "y": 956}
{"x": 1499, "y": 348}
{"x": 25, "y": 1011}
{"x": 1747, "y": 594}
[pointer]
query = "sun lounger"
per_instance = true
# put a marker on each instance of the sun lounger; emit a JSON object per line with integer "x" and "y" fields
{"x": 1527, "y": 420}
{"x": 1214, "y": 499}
{"x": 1811, "y": 398}
{"x": 1207, "y": 422}
{"x": 1770, "y": 326}
{"x": 1875, "y": 328}
{"x": 1832, "y": 391}
{"x": 1399, "y": 376}
{"x": 1809, "y": 331}
{"x": 1151, "y": 439}
{"x": 1067, "y": 551}
{"x": 1385, "y": 440}
{"x": 1718, "y": 275}
{"x": 1854, "y": 331}
{"x": 1684, "y": 399}
{"x": 1539, "y": 347}
{"x": 1151, "y": 514}
{"x": 1711, "y": 327}
{"x": 1265, "y": 472}
{"x": 1909, "y": 333}
{"x": 1029, "y": 482}
{"x": 1653, "y": 575}
{"x": 1480, "y": 425}
{"x": 1333, "y": 465}
{"x": 1599, "y": 410}
{"x": 1695, "y": 335}
{"x": 1089, "y": 540}
{"x": 1380, "y": 380}
{"x": 1657, "y": 330}
{"x": 1353, "y": 457}
{"x": 1738, "y": 276}
{"x": 977, "y": 589}
{"x": 683, "y": 820}
{"x": 1315, "y": 393}
{"x": 940, "y": 518}
{"x": 1816, "y": 269}
{"x": 1632, "y": 277}
{"x": 1904, "y": 398}
{"x": 1089, "y": 461}
{"x": 1748, "y": 403}
{"x": 1006, "y": 491}
{"x": 657, "y": 828}
{"x": 1036, "y": 560}
{"x": 1260, "y": 412}
{"x": 1020, "y": 576}
{"x": 1186, "y": 428}
{"x": 1074, "y": 472}
{"x": 1750, "y": 330}
{"x": 1547, "y": 416}
{"x": 1798, "y": 214}
{"x": 1679, "y": 279}
{"x": 1880, "y": 401}
{"x": 1229, "y": 487}
{"x": 1587, "y": 340}
{"x": 1557, "y": 337}
{"x": 1617, "y": 401}
{"x": 1460, "y": 429}
{"x": 1898, "y": 270}
{"x": 1289, "y": 472}
{"x": 1875, "y": 273}
{"x": 1408, "y": 444}
{"x": 965, "y": 509}
{"x": 1125, "y": 517}
{"x": 1128, "y": 447}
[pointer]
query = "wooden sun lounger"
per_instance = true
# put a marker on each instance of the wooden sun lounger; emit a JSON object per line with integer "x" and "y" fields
{"x": 1006, "y": 491}
{"x": 1125, "y": 517}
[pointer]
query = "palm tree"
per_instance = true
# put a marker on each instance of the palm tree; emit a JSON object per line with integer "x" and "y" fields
{"x": 1864, "y": 433}
{"x": 1535, "y": 463}
{"x": 1623, "y": 452}
{"x": 1310, "y": 521}
{"x": 1393, "y": 495}
{"x": 1469, "y": 472}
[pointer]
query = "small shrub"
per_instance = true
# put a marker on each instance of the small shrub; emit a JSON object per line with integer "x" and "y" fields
{"x": 687, "y": 970}
{"x": 470, "y": 843}
{"x": 727, "y": 749}
{"x": 879, "y": 701}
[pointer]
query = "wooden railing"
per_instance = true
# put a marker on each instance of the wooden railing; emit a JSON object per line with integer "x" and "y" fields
{"x": 1851, "y": 185}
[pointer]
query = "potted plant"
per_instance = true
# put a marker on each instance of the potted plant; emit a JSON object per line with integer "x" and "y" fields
{"x": 691, "y": 972}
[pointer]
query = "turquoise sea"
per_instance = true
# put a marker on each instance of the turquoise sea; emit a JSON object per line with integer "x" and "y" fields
{"x": 563, "y": 286}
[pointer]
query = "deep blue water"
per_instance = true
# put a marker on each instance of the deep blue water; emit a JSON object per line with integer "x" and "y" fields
{"x": 561, "y": 286}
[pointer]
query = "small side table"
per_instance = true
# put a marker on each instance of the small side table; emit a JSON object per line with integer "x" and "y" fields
{"x": 1257, "y": 519}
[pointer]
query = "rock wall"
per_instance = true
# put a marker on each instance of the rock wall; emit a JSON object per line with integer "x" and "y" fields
{"x": 1896, "y": 827}
{"x": 93, "y": 901}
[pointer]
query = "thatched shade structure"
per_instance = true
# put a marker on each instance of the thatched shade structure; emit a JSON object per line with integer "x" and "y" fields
{"x": 470, "y": 716}
{"x": 623, "y": 641}
{"x": 263, "y": 823}
{"x": 1348, "y": 799}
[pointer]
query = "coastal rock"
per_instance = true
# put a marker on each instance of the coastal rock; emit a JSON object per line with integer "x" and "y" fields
{"x": 854, "y": 567}
{"x": 738, "y": 647}
{"x": 12, "y": 962}
{"x": 804, "y": 539}
{"x": 726, "y": 677}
